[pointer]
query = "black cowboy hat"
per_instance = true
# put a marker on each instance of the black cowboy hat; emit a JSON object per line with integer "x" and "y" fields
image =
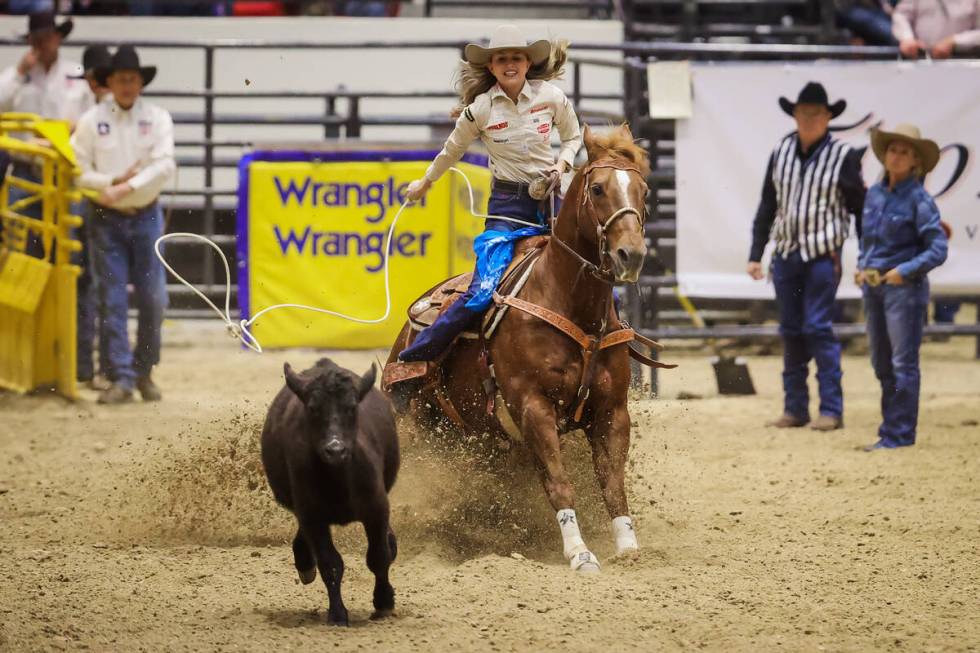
{"x": 44, "y": 21}
{"x": 814, "y": 93}
{"x": 93, "y": 58}
{"x": 125, "y": 58}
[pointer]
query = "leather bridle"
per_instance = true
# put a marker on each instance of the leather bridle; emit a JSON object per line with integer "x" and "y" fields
{"x": 602, "y": 272}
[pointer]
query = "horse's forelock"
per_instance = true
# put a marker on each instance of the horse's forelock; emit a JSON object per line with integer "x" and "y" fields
{"x": 618, "y": 143}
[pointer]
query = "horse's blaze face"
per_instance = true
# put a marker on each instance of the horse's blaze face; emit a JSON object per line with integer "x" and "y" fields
{"x": 611, "y": 191}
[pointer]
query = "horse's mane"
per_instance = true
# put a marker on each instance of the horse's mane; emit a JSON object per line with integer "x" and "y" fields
{"x": 618, "y": 143}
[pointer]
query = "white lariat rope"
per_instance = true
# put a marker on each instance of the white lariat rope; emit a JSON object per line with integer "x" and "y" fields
{"x": 240, "y": 329}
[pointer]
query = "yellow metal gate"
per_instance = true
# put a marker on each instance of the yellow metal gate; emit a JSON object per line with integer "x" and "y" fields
{"x": 37, "y": 294}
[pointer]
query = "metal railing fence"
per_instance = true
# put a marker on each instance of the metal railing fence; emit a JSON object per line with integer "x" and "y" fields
{"x": 342, "y": 116}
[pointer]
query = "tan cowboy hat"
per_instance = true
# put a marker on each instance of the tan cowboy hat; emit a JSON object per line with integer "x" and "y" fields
{"x": 928, "y": 150}
{"x": 508, "y": 37}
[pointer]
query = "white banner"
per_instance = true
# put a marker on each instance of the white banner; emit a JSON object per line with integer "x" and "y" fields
{"x": 722, "y": 151}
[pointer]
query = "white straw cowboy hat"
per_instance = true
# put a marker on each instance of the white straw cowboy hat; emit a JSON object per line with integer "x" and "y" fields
{"x": 508, "y": 37}
{"x": 928, "y": 150}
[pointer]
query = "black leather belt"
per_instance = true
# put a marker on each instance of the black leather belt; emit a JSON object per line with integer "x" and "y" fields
{"x": 516, "y": 187}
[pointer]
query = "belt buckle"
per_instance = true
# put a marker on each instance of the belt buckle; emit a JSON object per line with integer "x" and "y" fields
{"x": 873, "y": 278}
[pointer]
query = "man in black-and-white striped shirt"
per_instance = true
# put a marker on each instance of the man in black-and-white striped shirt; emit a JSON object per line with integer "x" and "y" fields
{"x": 812, "y": 187}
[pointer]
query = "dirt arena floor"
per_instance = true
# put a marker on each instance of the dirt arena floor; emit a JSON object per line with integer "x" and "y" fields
{"x": 149, "y": 527}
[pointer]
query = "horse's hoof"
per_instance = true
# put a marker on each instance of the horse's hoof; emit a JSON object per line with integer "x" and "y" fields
{"x": 308, "y": 576}
{"x": 585, "y": 563}
{"x": 382, "y": 614}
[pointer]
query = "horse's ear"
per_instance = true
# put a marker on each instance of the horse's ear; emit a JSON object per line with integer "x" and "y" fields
{"x": 367, "y": 382}
{"x": 591, "y": 147}
{"x": 624, "y": 129}
{"x": 295, "y": 383}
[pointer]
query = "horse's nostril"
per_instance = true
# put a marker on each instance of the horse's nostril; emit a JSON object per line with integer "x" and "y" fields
{"x": 624, "y": 255}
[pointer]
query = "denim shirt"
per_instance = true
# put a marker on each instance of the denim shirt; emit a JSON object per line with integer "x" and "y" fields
{"x": 901, "y": 230}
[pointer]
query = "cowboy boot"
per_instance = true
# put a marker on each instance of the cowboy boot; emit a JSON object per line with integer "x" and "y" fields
{"x": 787, "y": 421}
{"x": 116, "y": 394}
{"x": 827, "y": 423}
{"x": 148, "y": 389}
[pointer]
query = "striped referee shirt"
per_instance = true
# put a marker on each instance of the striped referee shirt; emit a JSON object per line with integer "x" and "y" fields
{"x": 808, "y": 198}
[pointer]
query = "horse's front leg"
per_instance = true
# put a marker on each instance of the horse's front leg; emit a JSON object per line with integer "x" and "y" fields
{"x": 609, "y": 435}
{"x": 539, "y": 427}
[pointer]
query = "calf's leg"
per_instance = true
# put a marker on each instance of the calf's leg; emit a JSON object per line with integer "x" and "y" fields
{"x": 303, "y": 559}
{"x": 330, "y": 564}
{"x": 380, "y": 555}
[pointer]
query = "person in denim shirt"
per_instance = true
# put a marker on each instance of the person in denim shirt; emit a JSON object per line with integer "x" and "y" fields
{"x": 902, "y": 241}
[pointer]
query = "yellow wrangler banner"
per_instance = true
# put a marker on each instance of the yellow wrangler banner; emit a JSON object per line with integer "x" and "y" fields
{"x": 312, "y": 229}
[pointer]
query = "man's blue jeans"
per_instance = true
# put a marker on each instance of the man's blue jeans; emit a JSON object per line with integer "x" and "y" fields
{"x": 805, "y": 291}
{"x": 433, "y": 341}
{"x": 895, "y": 316}
{"x": 124, "y": 255}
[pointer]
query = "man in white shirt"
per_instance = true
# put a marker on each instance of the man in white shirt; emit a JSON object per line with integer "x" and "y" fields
{"x": 43, "y": 82}
{"x": 125, "y": 149}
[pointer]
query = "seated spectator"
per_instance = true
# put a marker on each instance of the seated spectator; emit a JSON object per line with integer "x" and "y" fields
{"x": 870, "y": 21}
{"x": 941, "y": 28}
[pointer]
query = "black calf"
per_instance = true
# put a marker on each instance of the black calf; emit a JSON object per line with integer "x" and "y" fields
{"x": 330, "y": 452}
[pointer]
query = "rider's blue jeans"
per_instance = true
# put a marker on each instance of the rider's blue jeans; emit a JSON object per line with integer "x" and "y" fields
{"x": 433, "y": 341}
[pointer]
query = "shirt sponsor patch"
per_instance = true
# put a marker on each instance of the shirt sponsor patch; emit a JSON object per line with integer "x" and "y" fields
{"x": 499, "y": 125}
{"x": 544, "y": 128}
{"x": 103, "y": 128}
{"x": 540, "y": 107}
{"x": 144, "y": 126}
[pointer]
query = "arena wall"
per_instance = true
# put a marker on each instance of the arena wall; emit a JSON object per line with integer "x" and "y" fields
{"x": 270, "y": 70}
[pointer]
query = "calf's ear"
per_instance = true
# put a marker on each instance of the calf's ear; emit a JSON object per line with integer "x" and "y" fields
{"x": 367, "y": 382}
{"x": 295, "y": 383}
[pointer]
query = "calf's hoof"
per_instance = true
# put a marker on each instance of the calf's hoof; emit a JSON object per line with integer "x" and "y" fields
{"x": 338, "y": 619}
{"x": 584, "y": 563}
{"x": 308, "y": 576}
{"x": 382, "y": 614}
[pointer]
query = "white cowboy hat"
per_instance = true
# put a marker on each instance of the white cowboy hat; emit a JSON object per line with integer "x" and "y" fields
{"x": 508, "y": 37}
{"x": 928, "y": 150}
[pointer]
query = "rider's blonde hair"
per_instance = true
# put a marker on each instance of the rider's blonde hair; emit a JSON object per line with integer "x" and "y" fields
{"x": 474, "y": 79}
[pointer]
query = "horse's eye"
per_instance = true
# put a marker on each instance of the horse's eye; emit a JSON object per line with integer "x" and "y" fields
{"x": 596, "y": 190}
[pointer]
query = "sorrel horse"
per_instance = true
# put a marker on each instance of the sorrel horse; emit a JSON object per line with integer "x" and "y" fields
{"x": 560, "y": 356}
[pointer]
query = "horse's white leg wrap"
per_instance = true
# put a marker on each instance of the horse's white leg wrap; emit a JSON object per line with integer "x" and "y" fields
{"x": 624, "y": 533}
{"x": 578, "y": 555}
